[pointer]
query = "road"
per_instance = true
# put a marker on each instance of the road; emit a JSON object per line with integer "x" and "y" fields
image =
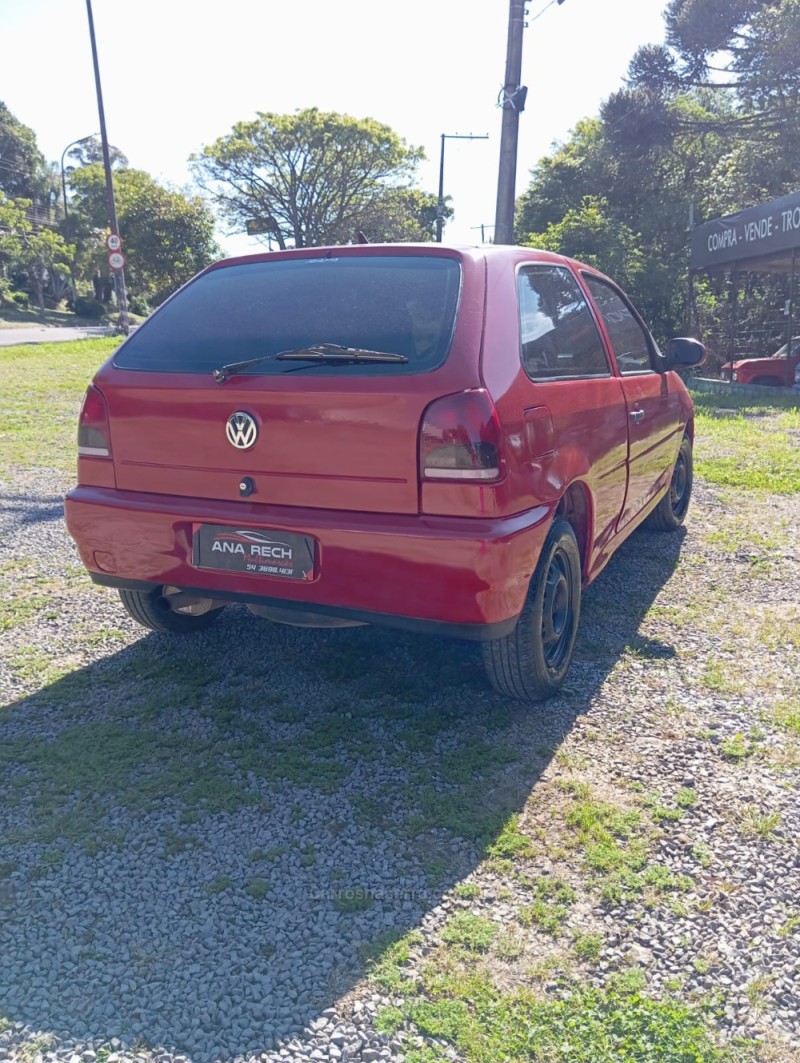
{"x": 9, "y": 337}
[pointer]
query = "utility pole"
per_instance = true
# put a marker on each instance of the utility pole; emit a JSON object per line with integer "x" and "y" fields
{"x": 509, "y": 134}
{"x": 440, "y": 202}
{"x": 119, "y": 274}
{"x": 483, "y": 227}
{"x": 512, "y": 101}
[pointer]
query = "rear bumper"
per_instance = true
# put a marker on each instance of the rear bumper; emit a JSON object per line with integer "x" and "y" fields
{"x": 465, "y": 577}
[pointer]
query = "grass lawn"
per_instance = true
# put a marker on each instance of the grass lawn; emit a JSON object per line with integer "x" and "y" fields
{"x": 40, "y": 397}
{"x": 739, "y": 444}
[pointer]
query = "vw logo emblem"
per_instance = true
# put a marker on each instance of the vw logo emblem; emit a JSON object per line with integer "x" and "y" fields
{"x": 241, "y": 430}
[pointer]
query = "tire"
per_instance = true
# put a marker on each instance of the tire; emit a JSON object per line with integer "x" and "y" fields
{"x": 530, "y": 663}
{"x": 152, "y": 610}
{"x": 671, "y": 511}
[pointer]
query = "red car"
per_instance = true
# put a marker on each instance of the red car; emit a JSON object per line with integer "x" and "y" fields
{"x": 771, "y": 372}
{"x": 435, "y": 439}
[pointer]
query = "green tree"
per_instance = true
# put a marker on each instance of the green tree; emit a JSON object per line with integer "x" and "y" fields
{"x": 37, "y": 250}
{"x": 559, "y": 182}
{"x": 24, "y": 175}
{"x": 402, "y": 215}
{"x": 90, "y": 151}
{"x": 591, "y": 234}
{"x": 708, "y": 120}
{"x": 624, "y": 207}
{"x": 739, "y": 58}
{"x": 168, "y": 236}
{"x": 22, "y": 165}
{"x": 743, "y": 53}
{"x": 311, "y": 177}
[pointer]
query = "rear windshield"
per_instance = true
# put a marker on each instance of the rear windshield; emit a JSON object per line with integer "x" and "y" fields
{"x": 398, "y": 304}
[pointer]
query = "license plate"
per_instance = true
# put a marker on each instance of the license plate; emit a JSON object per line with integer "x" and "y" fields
{"x": 253, "y": 551}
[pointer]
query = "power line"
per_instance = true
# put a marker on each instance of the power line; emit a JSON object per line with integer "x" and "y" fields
{"x": 15, "y": 169}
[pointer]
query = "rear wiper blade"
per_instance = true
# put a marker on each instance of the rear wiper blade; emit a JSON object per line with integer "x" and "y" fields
{"x": 333, "y": 353}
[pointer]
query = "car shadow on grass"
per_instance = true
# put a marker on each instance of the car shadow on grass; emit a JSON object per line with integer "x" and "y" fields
{"x": 205, "y": 839}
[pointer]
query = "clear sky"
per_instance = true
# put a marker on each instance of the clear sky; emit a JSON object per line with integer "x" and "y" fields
{"x": 177, "y": 74}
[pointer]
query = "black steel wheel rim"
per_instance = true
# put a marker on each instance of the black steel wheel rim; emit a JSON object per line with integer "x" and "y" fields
{"x": 557, "y": 611}
{"x": 679, "y": 487}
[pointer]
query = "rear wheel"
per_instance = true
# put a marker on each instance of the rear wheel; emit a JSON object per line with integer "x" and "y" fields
{"x": 154, "y": 610}
{"x": 531, "y": 663}
{"x": 671, "y": 511}
{"x": 767, "y": 381}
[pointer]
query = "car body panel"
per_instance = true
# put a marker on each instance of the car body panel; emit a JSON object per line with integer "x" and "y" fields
{"x": 656, "y": 423}
{"x": 312, "y": 444}
{"x": 560, "y": 433}
{"x": 336, "y": 460}
{"x": 451, "y": 570}
{"x": 776, "y": 370}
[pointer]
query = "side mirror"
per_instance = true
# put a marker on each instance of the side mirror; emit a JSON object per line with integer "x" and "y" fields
{"x": 683, "y": 352}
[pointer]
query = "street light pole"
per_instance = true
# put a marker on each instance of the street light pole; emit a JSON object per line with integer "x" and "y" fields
{"x": 119, "y": 274}
{"x": 440, "y": 202}
{"x": 63, "y": 175}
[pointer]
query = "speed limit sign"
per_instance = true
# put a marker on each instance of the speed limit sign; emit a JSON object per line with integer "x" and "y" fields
{"x": 113, "y": 242}
{"x": 116, "y": 260}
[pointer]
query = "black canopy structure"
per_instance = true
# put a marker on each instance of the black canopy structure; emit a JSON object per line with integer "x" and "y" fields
{"x": 764, "y": 239}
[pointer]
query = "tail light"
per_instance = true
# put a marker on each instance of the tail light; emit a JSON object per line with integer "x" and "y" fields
{"x": 94, "y": 436}
{"x": 461, "y": 439}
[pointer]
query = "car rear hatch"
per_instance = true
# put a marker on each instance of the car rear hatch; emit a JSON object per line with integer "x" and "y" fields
{"x": 318, "y": 426}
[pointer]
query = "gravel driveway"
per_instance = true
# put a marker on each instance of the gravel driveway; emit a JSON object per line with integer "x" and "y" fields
{"x": 205, "y": 840}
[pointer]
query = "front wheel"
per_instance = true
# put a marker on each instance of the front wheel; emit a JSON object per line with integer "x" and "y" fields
{"x": 532, "y": 661}
{"x": 153, "y": 610}
{"x": 671, "y": 511}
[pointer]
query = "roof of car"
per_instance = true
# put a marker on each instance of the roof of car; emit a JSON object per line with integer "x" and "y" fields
{"x": 486, "y": 251}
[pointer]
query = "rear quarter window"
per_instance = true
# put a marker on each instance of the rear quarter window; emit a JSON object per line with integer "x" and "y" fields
{"x": 559, "y": 339}
{"x": 400, "y": 304}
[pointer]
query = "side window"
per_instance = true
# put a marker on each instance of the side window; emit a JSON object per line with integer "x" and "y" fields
{"x": 559, "y": 339}
{"x": 628, "y": 338}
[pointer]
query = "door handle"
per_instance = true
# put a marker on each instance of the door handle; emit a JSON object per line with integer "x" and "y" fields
{"x": 637, "y": 416}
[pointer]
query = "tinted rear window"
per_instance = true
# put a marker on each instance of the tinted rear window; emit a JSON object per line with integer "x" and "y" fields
{"x": 401, "y": 304}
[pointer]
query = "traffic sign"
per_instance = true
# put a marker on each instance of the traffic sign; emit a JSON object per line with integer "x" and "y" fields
{"x": 116, "y": 260}
{"x": 113, "y": 242}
